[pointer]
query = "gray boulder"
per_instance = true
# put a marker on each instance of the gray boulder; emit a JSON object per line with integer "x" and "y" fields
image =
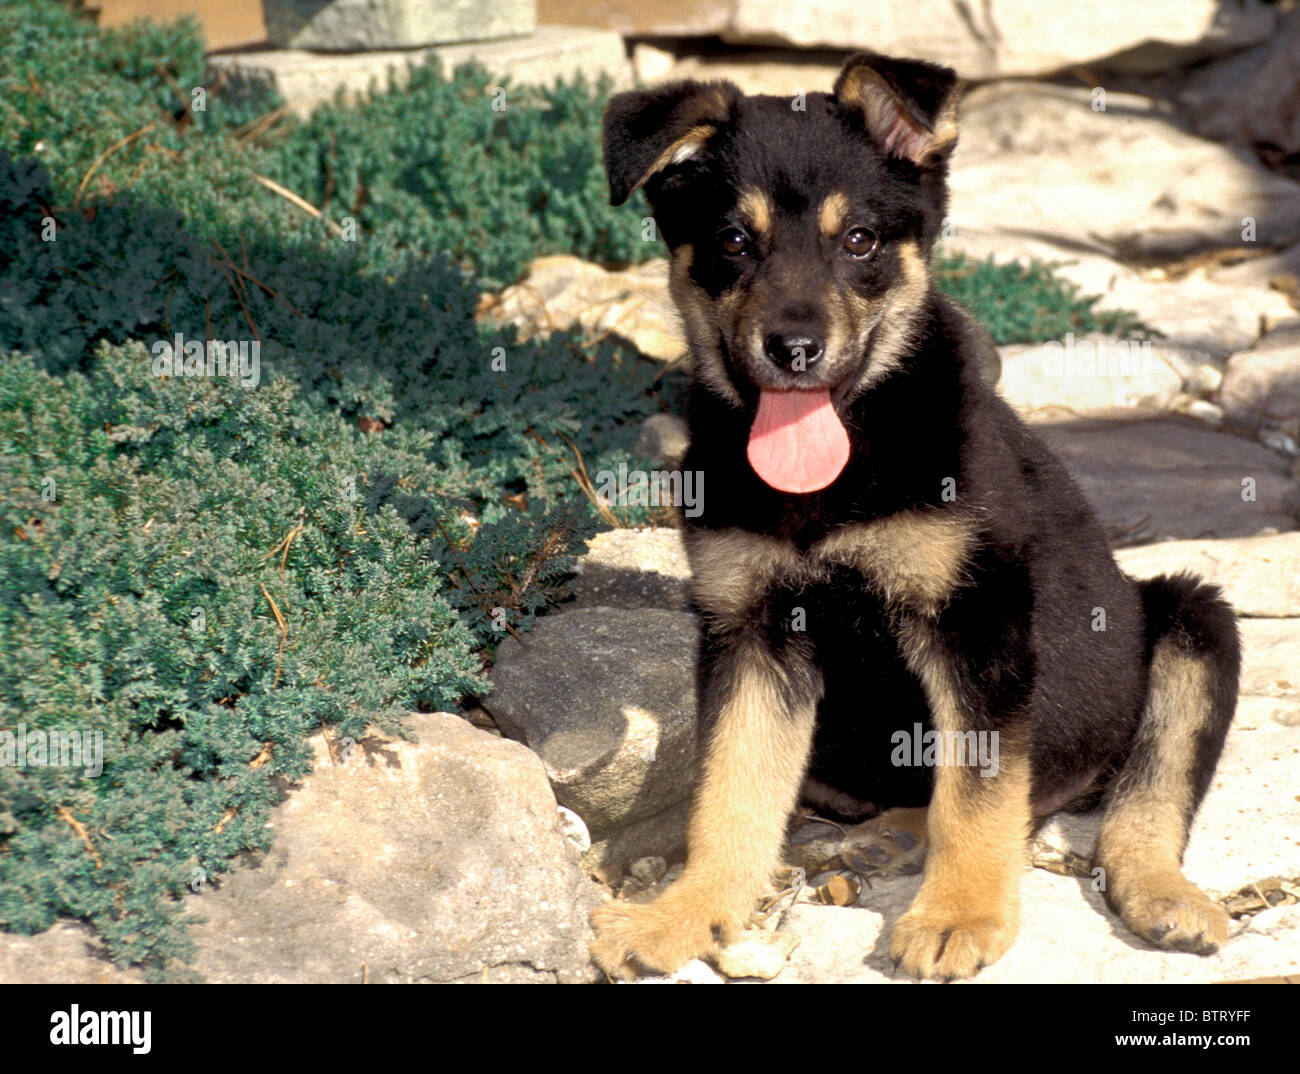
{"x": 437, "y": 860}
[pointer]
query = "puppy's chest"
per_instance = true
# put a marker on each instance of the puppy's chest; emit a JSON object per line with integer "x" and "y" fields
{"x": 910, "y": 562}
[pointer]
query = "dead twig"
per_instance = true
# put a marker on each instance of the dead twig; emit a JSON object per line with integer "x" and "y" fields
{"x": 119, "y": 144}
{"x": 284, "y": 633}
{"x": 302, "y": 203}
{"x": 65, "y": 814}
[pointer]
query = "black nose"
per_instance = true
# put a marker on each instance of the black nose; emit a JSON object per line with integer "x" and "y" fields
{"x": 794, "y": 351}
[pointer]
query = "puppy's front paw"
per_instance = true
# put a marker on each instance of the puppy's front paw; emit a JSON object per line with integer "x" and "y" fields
{"x": 948, "y": 942}
{"x": 661, "y": 936}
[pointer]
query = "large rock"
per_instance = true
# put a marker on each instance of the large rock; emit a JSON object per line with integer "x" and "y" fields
{"x": 1152, "y": 478}
{"x": 997, "y": 38}
{"x": 606, "y": 697}
{"x": 1127, "y": 177}
{"x": 1260, "y": 576}
{"x": 339, "y": 25}
{"x": 1253, "y": 96}
{"x": 69, "y": 952}
{"x": 1262, "y": 385}
{"x": 635, "y": 18}
{"x": 306, "y": 80}
{"x": 642, "y": 568}
{"x": 1098, "y": 373}
{"x": 562, "y": 292}
{"x": 438, "y": 860}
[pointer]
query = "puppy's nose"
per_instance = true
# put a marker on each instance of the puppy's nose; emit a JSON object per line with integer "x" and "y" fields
{"x": 794, "y": 351}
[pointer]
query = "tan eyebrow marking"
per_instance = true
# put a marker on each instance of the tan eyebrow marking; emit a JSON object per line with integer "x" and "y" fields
{"x": 756, "y": 208}
{"x": 833, "y": 214}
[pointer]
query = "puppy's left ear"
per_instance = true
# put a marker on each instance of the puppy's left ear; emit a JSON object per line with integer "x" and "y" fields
{"x": 909, "y": 107}
{"x": 647, "y": 131}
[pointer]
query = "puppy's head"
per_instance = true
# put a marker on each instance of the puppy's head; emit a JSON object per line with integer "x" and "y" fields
{"x": 800, "y": 231}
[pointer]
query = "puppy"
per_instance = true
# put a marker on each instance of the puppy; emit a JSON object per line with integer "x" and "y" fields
{"x": 894, "y": 577}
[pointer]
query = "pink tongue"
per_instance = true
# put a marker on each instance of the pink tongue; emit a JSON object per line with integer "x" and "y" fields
{"x": 797, "y": 443}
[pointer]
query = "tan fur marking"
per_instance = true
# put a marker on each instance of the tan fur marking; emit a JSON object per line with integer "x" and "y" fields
{"x": 753, "y": 766}
{"x": 699, "y": 315}
{"x": 683, "y": 148}
{"x": 1144, "y": 832}
{"x": 914, "y": 558}
{"x": 732, "y": 570}
{"x": 757, "y": 210}
{"x": 966, "y": 914}
{"x": 832, "y": 216}
{"x": 891, "y": 328}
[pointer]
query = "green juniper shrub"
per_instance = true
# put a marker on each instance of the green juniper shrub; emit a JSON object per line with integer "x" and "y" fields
{"x": 1027, "y": 303}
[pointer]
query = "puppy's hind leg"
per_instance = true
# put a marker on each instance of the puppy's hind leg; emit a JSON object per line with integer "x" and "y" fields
{"x": 1194, "y": 658}
{"x": 893, "y": 843}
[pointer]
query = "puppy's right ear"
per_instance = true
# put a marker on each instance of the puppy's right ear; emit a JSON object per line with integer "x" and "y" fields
{"x": 648, "y": 130}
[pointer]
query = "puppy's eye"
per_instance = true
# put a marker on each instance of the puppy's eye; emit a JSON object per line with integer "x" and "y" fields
{"x": 733, "y": 241}
{"x": 861, "y": 242}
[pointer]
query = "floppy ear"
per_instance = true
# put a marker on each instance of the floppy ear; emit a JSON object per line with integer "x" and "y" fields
{"x": 909, "y": 107}
{"x": 647, "y": 130}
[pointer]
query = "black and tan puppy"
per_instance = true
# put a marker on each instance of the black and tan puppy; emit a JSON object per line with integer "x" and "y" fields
{"x": 885, "y": 548}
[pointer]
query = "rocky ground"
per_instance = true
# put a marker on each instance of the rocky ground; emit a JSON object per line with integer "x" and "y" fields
{"x": 463, "y": 856}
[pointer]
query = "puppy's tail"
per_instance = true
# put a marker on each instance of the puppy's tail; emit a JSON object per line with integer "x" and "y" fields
{"x": 1193, "y": 651}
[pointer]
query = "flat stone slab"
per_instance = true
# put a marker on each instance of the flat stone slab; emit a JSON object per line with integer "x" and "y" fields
{"x": 998, "y": 38}
{"x": 306, "y": 80}
{"x": 1040, "y": 156}
{"x": 1260, "y": 576}
{"x": 379, "y": 24}
{"x": 1067, "y": 936}
{"x": 1153, "y": 477}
